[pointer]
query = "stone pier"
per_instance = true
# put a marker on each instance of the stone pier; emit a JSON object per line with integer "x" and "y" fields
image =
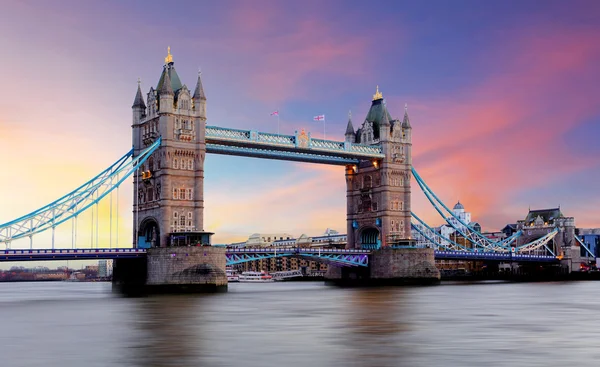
{"x": 390, "y": 266}
{"x": 198, "y": 269}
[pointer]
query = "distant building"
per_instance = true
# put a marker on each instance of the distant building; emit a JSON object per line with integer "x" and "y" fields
{"x": 460, "y": 216}
{"x": 509, "y": 229}
{"x": 266, "y": 239}
{"x": 540, "y": 222}
{"x": 104, "y": 268}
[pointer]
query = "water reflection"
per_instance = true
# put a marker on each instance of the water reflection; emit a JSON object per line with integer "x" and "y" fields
{"x": 303, "y": 324}
{"x": 167, "y": 335}
{"x": 376, "y": 319}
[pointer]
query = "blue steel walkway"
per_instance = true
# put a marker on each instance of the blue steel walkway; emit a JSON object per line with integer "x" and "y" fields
{"x": 343, "y": 257}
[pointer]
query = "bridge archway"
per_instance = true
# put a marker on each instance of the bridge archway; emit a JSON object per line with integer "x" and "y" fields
{"x": 370, "y": 238}
{"x": 149, "y": 233}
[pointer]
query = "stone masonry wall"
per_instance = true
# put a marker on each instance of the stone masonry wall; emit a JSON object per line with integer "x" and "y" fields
{"x": 187, "y": 266}
{"x": 406, "y": 263}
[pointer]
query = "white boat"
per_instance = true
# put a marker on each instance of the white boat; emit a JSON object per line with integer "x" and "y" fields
{"x": 232, "y": 276}
{"x": 255, "y": 277}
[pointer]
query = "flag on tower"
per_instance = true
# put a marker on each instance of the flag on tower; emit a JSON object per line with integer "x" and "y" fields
{"x": 319, "y": 118}
{"x": 275, "y": 113}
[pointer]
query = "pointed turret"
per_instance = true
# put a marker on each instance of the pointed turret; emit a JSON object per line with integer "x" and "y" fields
{"x": 166, "y": 96}
{"x": 164, "y": 85}
{"x": 376, "y": 112}
{"x": 350, "y": 137}
{"x": 139, "y": 100}
{"x": 406, "y": 121}
{"x": 199, "y": 98}
{"x": 199, "y": 91}
{"x": 138, "y": 107}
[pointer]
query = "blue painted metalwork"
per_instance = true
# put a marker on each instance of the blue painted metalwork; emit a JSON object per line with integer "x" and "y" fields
{"x": 77, "y": 201}
{"x": 433, "y": 241}
{"x": 582, "y": 244}
{"x": 492, "y": 256}
{"x": 297, "y": 156}
{"x": 70, "y": 254}
{"x": 298, "y": 147}
{"x": 343, "y": 257}
{"x": 473, "y": 236}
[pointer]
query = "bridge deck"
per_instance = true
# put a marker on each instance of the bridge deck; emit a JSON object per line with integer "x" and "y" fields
{"x": 351, "y": 256}
{"x": 300, "y": 147}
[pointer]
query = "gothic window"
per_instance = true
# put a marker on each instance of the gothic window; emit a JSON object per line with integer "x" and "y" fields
{"x": 190, "y": 164}
{"x": 374, "y": 206}
{"x": 151, "y": 163}
{"x": 175, "y": 215}
{"x": 366, "y": 203}
{"x": 182, "y": 194}
{"x": 189, "y": 194}
{"x": 401, "y": 181}
{"x": 176, "y": 124}
{"x": 150, "y": 194}
{"x": 401, "y": 205}
{"x": 182, "y": 220}
{"x": 369, "y": 137}
{"x": 190, "y": 215}
{"x": 175, "y": 163}
{"x": 175, "y": 193}
{"x": 368, "y": 183}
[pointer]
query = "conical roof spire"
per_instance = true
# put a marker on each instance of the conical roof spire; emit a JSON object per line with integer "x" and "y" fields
{"x": 406, "y": 120}
{"x": 349, "y": 128}
{"x": 199, "y": 91}
{"x": 165, "y": 87}
{"x": 139, "y": 100}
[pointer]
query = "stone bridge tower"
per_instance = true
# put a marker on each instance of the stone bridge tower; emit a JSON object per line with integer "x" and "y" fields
{"x": 169, "y": 187}
{"x": 378, "y": 191}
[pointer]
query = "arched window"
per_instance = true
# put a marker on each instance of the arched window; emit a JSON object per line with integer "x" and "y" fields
{"x": 182, "y": 194}
{"x": 182, "y": 220}
{"x": 402, "y": 205}
{"x": 175, "y": 194}
{"x": 190, "y": 164}
{"x": 175, "y": 164}
{"x": 150, "y": 194}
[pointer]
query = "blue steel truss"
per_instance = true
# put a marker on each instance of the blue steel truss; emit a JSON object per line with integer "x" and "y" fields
{"x": 78, "y": 200}
{"x": 493, "y": 256}
{"x": 71, "y": 254}
{"x": 299, "y": 147}
{"x": 341, "y": 257}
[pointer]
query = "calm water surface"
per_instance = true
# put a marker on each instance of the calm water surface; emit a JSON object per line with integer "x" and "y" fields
{"x": 303, "y": 324}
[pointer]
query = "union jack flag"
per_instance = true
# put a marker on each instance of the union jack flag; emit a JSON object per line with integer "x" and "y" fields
{"x": 319, "y": 118}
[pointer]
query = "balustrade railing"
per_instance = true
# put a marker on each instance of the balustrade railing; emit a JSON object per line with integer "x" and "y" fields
{"x": 247, "y": 136}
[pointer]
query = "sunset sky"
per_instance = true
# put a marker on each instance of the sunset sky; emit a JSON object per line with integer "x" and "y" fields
{"x": 503, "y": 97}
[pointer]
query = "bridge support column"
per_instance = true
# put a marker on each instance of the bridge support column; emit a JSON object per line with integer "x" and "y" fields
{"x": 199, "y": 269}
{"x": 390, "y": 266}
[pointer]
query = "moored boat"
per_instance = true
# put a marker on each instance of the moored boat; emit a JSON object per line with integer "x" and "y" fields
{"x": 255, "y": 277}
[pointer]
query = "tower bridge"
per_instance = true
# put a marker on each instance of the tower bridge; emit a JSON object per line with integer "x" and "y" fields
{"x": 171, "y": 137}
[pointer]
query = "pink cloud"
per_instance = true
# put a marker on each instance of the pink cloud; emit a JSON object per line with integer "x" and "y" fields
{"x": 485, "y": 145}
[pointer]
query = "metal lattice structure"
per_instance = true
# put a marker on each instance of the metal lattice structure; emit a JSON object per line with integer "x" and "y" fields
{"x": 431, "y": 238}
{"x": 72, "y": 204}
{"x": 340, "y": 257}
{"x": 299, "y": 147}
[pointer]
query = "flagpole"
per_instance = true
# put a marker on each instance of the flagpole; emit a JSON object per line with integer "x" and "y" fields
{"x": 278, "y": 121}
{"x": 324, "y": 136}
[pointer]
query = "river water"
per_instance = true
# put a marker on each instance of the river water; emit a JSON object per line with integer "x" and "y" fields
{"x": 303, "y": 324}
